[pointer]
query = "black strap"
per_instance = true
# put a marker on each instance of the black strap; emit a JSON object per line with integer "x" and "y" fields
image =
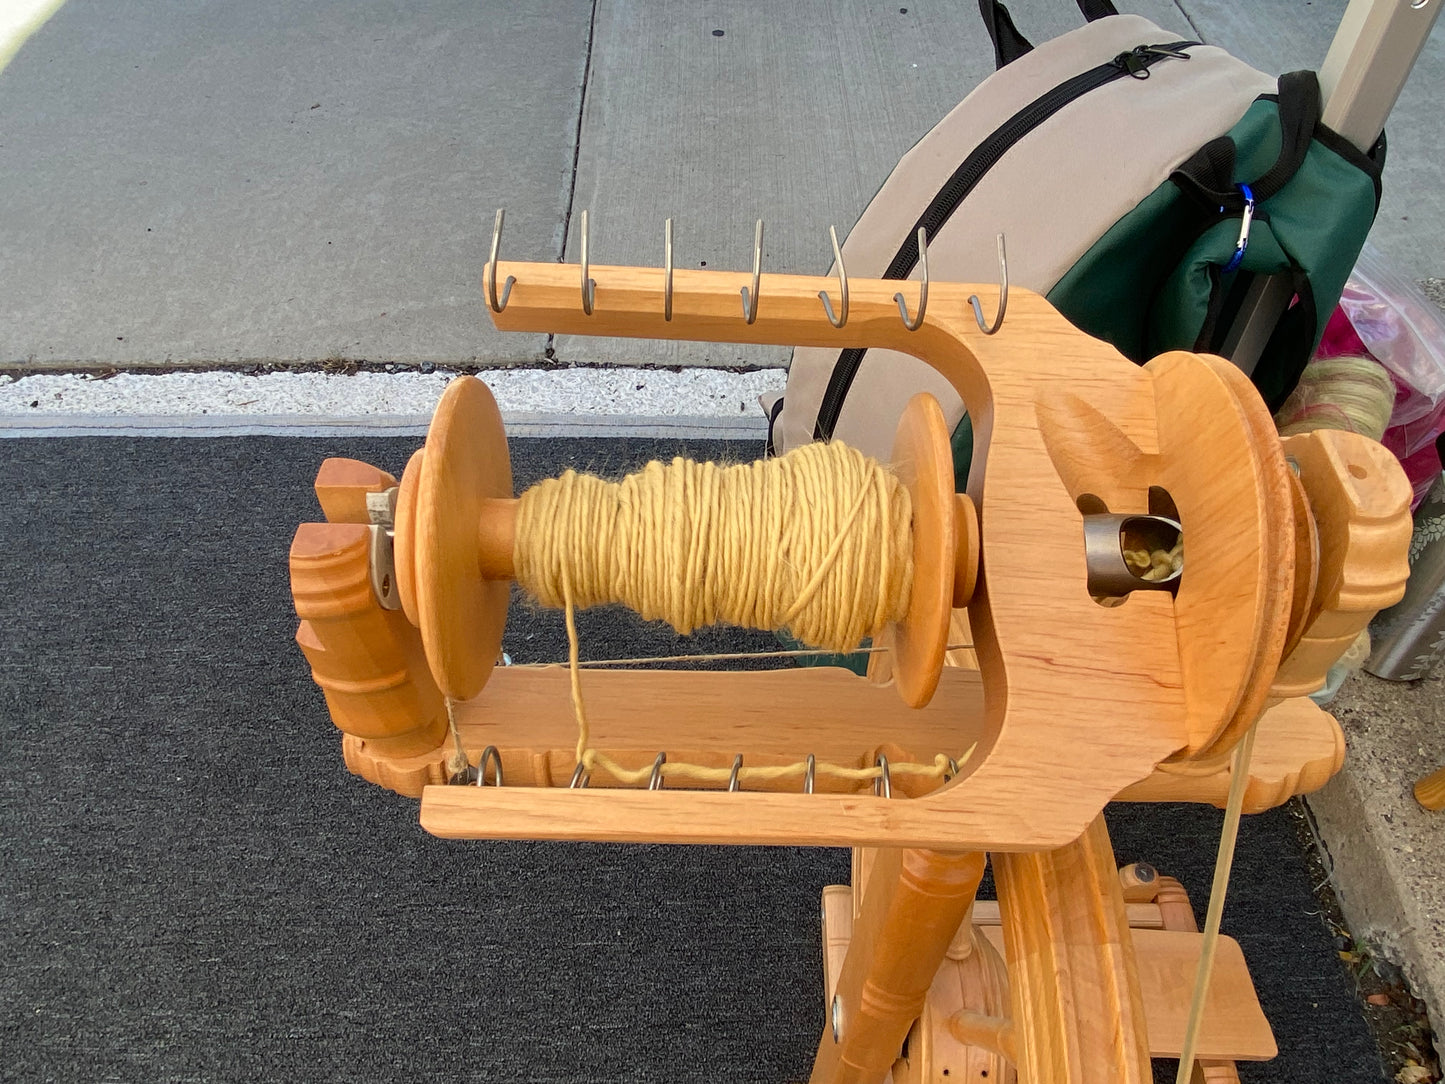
{"x": 771, "y": 448}
{"x": 1205, "y": 342}
{"x": 1288, "y": 350}
{"x": 1208, "y": 175}
{"x": 1009, "y": 44}
{"x": 1299, "y": 116}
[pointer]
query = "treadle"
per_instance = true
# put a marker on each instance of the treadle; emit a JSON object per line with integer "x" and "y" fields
{"x": 1234, "y": 1025}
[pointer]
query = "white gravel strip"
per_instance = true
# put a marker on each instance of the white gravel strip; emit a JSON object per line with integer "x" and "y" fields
{"x": 539, "y": 401}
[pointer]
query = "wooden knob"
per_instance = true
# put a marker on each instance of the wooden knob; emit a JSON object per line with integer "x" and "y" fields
{"x": 1360, "y": 499}
{"x": 1430, "y": 791}
{"x": 360, "y": 654}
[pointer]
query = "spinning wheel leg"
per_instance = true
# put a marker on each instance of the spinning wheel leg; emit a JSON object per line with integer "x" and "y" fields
{"x": 911, "y": 910}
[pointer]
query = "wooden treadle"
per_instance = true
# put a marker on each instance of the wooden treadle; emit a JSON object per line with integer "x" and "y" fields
{"x": 1234, "y": 1026}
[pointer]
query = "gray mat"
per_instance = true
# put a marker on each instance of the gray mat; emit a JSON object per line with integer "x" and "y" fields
{"x": 194, "y": 889}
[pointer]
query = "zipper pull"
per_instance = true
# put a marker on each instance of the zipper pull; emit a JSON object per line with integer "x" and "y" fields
{"x": 1133, "y": 63}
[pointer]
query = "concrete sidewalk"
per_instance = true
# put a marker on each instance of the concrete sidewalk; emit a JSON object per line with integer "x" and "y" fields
{"x": 1384, "y": 851}
{"x": 298, "y": 183}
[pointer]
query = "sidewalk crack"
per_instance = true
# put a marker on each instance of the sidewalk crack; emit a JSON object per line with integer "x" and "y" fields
{"x": 549, "y": 351}
{"x": 1187, "y": 18}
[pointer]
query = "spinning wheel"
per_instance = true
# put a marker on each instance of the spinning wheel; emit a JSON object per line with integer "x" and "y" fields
{"x": 1078, "y": 700}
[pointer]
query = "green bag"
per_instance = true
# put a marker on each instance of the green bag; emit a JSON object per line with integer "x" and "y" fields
{"x": 1278, "y": 195}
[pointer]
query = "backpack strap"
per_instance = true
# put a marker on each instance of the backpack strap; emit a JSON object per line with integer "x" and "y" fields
{"x": 1208, "y": 175}
{"x": 1097, "y": 9}
{"x": 1009, "y": 44}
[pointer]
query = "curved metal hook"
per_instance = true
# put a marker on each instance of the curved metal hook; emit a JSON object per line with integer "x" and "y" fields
{"x": 883, "y": 785}
{"x": 489, "y": 753}
{"x": 988, "y": 329}
{"x": 655, "y": 781}
{"x": 733, "y": 785}
{"x": 497, "y": 306}
{"x": 810, "y": 774}
{"x": 916, "y": 322}
{"x": 667, "y": 270}
{"x": 589, "y": 288}
{"x": 842, "y": 317}
{"x": 580, "y": 776}
{"x": 750, "y": 302}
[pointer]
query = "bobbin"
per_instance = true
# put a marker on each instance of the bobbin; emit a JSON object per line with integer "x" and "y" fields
{"x": 456, "y": 524}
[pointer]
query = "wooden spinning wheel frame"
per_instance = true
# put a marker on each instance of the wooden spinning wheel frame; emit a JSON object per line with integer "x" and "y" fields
{"x": 1290, "y": 548}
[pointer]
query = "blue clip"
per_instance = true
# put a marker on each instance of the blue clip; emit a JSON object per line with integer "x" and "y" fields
{"x": 1246, "y": 220}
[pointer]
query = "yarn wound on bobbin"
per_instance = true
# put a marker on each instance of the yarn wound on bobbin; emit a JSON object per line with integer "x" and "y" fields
{"x": 818, "y": 541}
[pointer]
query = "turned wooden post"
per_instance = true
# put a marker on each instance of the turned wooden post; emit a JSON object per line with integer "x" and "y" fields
{"x": 912, "y": 906}
{"x": 368, "y": 660}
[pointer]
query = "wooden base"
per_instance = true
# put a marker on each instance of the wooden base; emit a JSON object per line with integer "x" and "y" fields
{"x": 971, "y": 985}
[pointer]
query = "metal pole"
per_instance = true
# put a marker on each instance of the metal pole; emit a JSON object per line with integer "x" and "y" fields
{"x": 1376, "y": 45}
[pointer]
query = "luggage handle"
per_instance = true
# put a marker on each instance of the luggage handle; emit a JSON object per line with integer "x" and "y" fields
{"x": 1008, "y": 43}
{"x": 1208, "y": 176}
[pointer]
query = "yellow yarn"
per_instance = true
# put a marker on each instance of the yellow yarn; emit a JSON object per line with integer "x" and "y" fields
{"x": 818, "y": 541}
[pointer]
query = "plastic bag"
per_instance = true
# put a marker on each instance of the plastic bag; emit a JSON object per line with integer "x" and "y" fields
{"x": 1405, "y": 331}
{"x": 1385, "y": 315}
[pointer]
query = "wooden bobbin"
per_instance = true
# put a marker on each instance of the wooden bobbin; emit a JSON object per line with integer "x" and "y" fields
{"x": 456, "y": 525}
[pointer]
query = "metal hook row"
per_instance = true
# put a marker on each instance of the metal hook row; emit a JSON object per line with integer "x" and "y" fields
{"x": 837, "y": 317}
{"x": 581, "y": 777}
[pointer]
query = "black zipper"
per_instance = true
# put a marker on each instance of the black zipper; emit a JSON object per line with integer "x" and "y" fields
{"x": 1135, "y": 62}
